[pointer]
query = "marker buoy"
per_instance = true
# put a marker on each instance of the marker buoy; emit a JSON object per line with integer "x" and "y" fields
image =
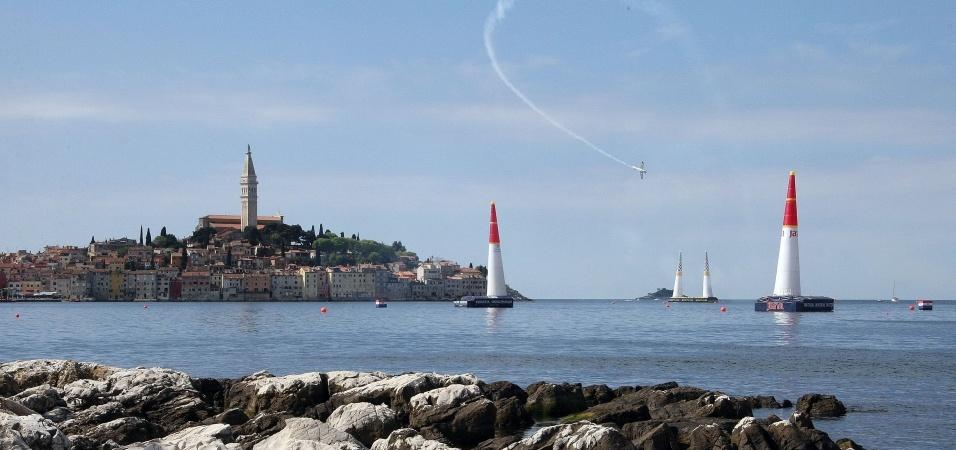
{"x": 723, "y": 309}
{"x": 17, "y": 316}
{"x": 323, "y": 310}
{"x": 912, "y": 307}
{"x": 667, "y": 305}
{"x": 145, "y": 306}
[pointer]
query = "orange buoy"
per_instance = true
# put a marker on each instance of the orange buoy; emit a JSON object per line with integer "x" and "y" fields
{"x": 723, "y": 309}
{"x": 912, "y": 307}
{"x": 323, "y": 310}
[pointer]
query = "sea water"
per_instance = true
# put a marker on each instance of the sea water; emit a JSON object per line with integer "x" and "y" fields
{"x": 895, "y": 369}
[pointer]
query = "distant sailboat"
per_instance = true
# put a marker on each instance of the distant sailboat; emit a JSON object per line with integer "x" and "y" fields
{"x": 894, "y": 298}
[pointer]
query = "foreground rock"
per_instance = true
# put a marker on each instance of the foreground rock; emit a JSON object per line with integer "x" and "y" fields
{"x": 263, "y": 392}
{"x": 309, "y": 434}
{"x": 15, "y": 377}
{"x": 555, "y": 400}
{"x": 365, "y": 421}
{"x": 576, "y": 436}
{"x": 821, "y": 405}
{"x": 398, "y": 391}
{"x": 54, "y": 404}
{"x": 30, "y": 432}
{"x": 209, "y": 437}
{"x": 408, "y": 439}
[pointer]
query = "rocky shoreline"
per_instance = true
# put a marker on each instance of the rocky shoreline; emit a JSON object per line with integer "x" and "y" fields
{"x": 61, "y": 404}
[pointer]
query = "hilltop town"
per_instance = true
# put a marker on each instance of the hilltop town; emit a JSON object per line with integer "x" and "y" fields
{"x": 243, "y": 257}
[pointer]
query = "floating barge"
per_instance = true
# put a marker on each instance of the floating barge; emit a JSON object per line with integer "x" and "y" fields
{"x": 776, "y": 303}
{"x": 693, "y": 299}
{"x": 677, "y": 295}
{"x": 486, "y": 302}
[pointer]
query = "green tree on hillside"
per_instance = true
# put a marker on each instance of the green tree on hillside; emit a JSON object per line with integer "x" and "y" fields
{"x": 203, "y": 236}
{"x": 166, "y": 241}
{"x": 251, "y": 234}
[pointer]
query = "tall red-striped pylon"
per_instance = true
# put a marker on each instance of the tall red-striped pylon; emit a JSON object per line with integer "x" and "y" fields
{"x": 496, "y": 272}
{"x": 787, "y": 282}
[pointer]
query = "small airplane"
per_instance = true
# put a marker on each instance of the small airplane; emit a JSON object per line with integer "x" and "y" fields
{"x": 640, "y": 169}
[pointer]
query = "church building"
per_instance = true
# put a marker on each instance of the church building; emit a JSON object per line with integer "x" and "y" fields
{"x": 248, "y": 184}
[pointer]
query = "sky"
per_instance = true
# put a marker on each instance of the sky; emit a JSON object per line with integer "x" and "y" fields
{"x": 387, "y": 119}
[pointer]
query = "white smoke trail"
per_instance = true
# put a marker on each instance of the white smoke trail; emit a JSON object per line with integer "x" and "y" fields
{"x": 496, "y": 16}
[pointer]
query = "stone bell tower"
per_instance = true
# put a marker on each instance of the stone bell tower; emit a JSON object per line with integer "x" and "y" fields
{"x": 249, "y": 196}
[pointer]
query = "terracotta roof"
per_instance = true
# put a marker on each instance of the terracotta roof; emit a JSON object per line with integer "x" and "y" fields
{"x": 230, "y": 218}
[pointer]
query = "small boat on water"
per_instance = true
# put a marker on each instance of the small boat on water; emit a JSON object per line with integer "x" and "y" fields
{"x": 924, "y": 305}
{"x": 381, "y": 303}
{"x": 894, "y": 298}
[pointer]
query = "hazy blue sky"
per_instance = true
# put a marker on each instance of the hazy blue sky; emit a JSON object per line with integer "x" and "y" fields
{"x": 385, "y": 118}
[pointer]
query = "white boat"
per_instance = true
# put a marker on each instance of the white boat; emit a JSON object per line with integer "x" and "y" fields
{"x": 924, "y": 305}
{"x": 894, "y": 298}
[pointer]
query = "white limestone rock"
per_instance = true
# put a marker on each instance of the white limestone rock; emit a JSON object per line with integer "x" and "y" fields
{"x": 81, "y": 394}
{"x": 292, "y": 393}
{"x": 365, "y": 421}
{"x": 20, "y": 375}
{"x": 209, "y": 437}
{"x": 344, "y": 380}
{"x": 40, "y": 398}
{"x": 454, "y": 395}
{"x": 581, "y": 435}
{"x": 408, "y": 439}
{"x": 30, "y": 432}
{"x": 397, "y": 391}
{"x": 302, "y": 434}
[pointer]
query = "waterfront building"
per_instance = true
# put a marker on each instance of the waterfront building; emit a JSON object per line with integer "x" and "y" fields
{"x": 315, "y": 282}
{"x": 429, "y": 270}
{"x": 286, "y": 286}
{"x": 256, "y": 286}
{"x": 350, "y": 283}
{"x": 116, "y": 282}
{"x": 165, "y": 279}
{"x": 139, "y": 285}
{"x": 230, "y": 285}
{"x": 196, "y": 286}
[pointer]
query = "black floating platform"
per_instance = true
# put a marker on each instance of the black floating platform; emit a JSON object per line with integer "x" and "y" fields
{"x": 486, "y": 302}
{"x": 776, "y": 303}
{"x": 693, "y": 299}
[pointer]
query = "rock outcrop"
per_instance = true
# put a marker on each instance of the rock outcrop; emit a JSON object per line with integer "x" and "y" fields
{"x": 555, "y": 400}
{"x": 365, "y": 421}
{"x": 576, "y": 436}
{"x": 30, "y": 432}
{"x": 300, "y": 433}
{"x": 54, "y": 405}
{"x": 821, "y": 405}
{"x": 408, "y": 439}
{"x": 263, "y": 392}
{"x": 208, "y": 437}
{"x": 397, "y": 391}
{"x": 18, "y": 376}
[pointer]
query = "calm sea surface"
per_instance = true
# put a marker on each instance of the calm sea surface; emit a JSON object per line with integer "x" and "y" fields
{"x": 894, "y": 368}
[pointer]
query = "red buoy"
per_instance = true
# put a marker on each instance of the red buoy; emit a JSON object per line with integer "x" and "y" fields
{"x": 912, "y": 307}
{"x": 723, "y": 309}
{"x": 323, "y": 310}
